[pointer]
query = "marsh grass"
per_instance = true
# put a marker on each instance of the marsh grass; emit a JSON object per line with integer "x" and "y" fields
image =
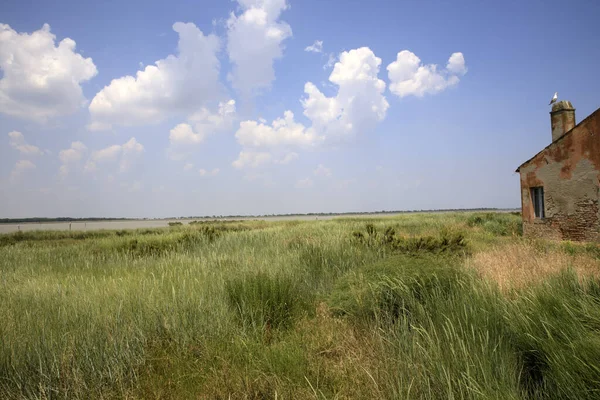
{"x": 521, "y": 263}
{"x": 424, "y": 306}
{"x": 264, "y": 303}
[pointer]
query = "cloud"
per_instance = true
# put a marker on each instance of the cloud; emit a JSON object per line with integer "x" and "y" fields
{"x": 184, "y": 134}
{"x": 110, "y": 153}
{"x": 209, "y": 122}
{"x": 322, "y": 171}
{"x": 200, "y": 125}
{"x": 282, "y": 132}
{"x": 71, "y": 156}
{"x": 188, "y": 166}
{"x": 18, "y": 142}
{"x": 331, "y": 59}
{"x": 316, "y": 47}
{"x": 254, "y": 41}
{"x": 177, "y": 84}
{"x": 304, "y": 183}
{"x": 205, "y": 173}
{"x": 126, "y": 154}
{"x": 288, "y": 158}
{"x": 358, "y": 105}
{"x": 408, "y": 76}
{"x": 456, "y": 64}
{"x": 40, "y": 79}
{"x": 252, "y": 159}
{"x": 20, "y": 167}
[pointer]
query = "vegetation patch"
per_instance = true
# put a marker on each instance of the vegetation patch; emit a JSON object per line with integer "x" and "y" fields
{"x": 402, "y": 308}
{"x": 52, "y": 237}
{"x": 264, "y": 303}
{"x": 161, "y": 245}
{"x": 446, "y": 242}
{"x": 500, "y": 224}
{"x": 392, "y": 287}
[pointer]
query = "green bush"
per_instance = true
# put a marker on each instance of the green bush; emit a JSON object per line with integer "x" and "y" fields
{"x": 446, "y": 242}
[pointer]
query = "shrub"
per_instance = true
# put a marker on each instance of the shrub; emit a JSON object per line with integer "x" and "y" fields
{"x": 446, "y": 242}
{"x": 175, "y": 223}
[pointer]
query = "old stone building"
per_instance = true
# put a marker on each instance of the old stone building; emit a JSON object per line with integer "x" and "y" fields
{"x": 560, "y": 185}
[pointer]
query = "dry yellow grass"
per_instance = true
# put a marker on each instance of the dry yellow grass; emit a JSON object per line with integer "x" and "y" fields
{"x": 515, "y": 265}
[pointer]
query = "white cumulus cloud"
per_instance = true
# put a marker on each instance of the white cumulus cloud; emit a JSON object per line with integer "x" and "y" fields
{"x": 254, "y": 41}
{"x": 184, "y": 134}
{"x": 409, "y": 76}
{"x": 71, "y": 156}
{"x": 18, "y": 142}
{"x": 177, "y": 84}
{"x": 199, "y": 126}
{"x": 282, "y": 132}
{"x": 359, "y": 103}
{"x": 110, "y": 153}
{"x": 20, "y": 167}
{"x": 316, "y": 47}
{"x": 125, "y": 154}
{"x": 356, "y": 108}
{"x": 40, "y": 79}
{"x": 252, "y": 159}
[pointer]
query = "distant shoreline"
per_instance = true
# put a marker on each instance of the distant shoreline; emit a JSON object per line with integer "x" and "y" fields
{"x": 42, "y": 220}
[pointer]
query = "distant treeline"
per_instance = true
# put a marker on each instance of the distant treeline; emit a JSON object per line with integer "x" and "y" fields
{"x": 59, "y": 219}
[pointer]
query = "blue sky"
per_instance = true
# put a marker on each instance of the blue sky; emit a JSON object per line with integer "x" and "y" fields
{"x": 152, "y": 109}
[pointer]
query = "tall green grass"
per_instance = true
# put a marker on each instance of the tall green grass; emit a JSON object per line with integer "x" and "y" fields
{"x": 289, "y": 310}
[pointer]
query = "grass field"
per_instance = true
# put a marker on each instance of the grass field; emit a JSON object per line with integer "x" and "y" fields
{"x": 419, "y": 306}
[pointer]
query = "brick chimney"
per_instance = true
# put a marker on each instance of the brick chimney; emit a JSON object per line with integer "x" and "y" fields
{"x": 562, "y": 118}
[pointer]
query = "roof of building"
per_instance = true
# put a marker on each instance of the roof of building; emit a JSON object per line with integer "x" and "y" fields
{"x": 560, "y": 138}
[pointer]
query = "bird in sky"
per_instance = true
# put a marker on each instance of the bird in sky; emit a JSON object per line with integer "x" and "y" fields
{"x": 554, "y": 98}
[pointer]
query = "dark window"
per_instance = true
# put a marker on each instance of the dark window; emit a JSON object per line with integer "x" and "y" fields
{"x": 537, "y": 197}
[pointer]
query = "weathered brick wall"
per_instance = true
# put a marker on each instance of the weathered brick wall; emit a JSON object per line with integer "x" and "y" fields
{"x": 569, "y": 172}
{"x": 541, "y": 230}
{"x": 582, "y": 225}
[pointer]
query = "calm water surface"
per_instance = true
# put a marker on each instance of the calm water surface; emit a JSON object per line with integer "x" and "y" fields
{"x": 136, "y": 224}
